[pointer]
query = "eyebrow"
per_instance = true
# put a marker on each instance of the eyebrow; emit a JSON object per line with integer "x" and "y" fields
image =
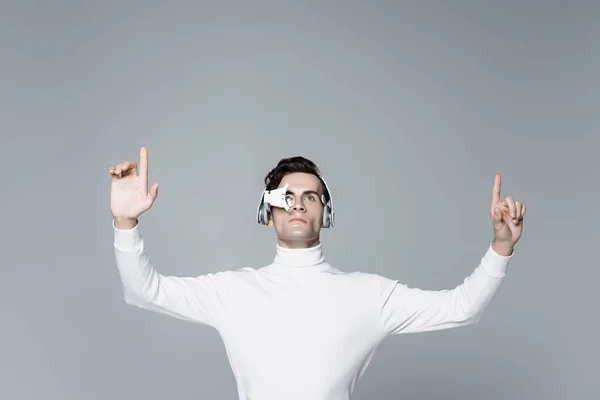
{"x": 303, "y": 193}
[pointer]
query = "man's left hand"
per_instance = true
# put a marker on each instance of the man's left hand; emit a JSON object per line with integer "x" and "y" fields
{"x": 507, "y": 220}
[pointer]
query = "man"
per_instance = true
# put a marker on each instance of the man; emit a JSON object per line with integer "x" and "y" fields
{"x": 299, "y": 328}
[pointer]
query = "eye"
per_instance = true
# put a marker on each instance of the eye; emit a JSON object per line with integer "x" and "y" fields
{"x": 310, "y": 197}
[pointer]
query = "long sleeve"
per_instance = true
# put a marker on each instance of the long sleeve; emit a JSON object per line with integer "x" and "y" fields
{"x": 408, "y": 310}
{"x": 193, "y": 299}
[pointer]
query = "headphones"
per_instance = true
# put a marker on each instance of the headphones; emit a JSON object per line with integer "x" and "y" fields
{"x": 263, "y": 213}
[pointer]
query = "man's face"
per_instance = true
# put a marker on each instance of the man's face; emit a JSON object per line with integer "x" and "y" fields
{"x": 299, "y": 227}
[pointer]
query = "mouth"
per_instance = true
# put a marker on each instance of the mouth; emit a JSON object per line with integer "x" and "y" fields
{"x": 297, "y": 220}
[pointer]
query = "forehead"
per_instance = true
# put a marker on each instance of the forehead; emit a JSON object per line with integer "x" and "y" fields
{"x": 301, "y": 181}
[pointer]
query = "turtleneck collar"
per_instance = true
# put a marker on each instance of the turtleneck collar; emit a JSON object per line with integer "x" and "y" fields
{"x": 306, "y": 257}
{"x": 299, "y": 260}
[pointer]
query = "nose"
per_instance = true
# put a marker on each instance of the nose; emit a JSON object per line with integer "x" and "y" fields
{"x": 298, "y": 206}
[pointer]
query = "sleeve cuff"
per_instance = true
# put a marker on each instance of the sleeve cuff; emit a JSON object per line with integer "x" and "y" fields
{"x": 127, "y": 239}
{"x": 495, "y": 264}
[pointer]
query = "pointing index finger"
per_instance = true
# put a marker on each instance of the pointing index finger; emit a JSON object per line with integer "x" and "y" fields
{"x": 144, "y": 167}
{"x": 496, "y": 190}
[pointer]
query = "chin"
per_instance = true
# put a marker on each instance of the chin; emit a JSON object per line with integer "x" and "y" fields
{"x": 299, "y": 237}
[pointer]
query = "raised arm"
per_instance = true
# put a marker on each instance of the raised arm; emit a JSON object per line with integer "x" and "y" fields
{"x": 407, "y": 310}
{"x": 190, "y": 298}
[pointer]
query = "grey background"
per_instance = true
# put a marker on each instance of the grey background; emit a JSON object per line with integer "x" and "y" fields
{"x": 409, "y": 109}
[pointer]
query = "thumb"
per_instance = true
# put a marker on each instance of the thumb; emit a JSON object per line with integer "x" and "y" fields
{"x": 154, "y": 190}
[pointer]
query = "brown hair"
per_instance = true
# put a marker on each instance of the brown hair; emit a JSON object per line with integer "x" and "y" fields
{"x": 290, "y": 165}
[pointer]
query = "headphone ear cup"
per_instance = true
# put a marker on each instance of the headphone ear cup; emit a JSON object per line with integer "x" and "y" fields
{"x": 326, "y": 216}
{"x": 265, "y": 214}
{"x": 261, "y": 214}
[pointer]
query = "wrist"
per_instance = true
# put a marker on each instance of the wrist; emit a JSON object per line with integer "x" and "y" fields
{"x": 125, "y": 223}
{"x": 502, "y": 248}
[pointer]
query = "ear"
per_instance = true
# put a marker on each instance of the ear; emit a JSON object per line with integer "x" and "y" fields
{"x": 270, "y": 220}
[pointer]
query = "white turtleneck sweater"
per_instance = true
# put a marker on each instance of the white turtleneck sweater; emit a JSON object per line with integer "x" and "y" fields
{"x": 300, "y": 328}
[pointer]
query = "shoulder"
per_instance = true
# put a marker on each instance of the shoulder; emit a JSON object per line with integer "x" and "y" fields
{"x": 233, "y": 274}
{"x": 380, "y": 286}
{"x": 368, "y": 280}
{"x": 228, "y": 277}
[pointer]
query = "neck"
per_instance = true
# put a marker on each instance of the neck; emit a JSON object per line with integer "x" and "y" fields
{"x": 298, "y": 244}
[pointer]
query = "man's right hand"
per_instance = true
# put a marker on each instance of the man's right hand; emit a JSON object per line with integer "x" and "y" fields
{"x": 129, "y": 195}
